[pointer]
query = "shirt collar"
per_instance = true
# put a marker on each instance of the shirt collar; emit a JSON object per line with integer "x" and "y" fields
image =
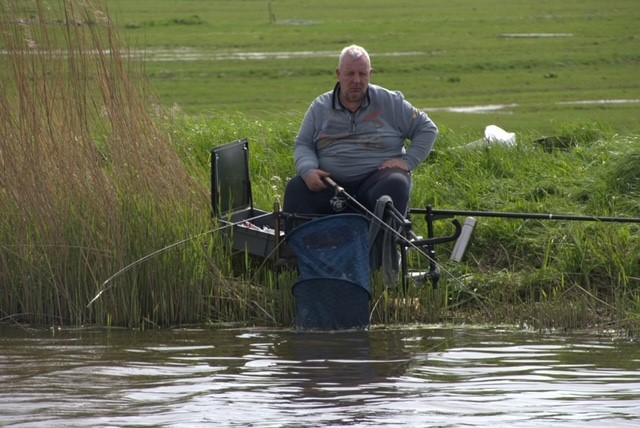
{"x": 337, "y": 104}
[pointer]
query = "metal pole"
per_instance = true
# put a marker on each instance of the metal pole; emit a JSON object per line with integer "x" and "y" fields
{"x": 524, "y": 216}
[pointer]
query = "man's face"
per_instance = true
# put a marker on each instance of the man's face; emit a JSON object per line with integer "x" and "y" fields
{"x": 353, "y": 76}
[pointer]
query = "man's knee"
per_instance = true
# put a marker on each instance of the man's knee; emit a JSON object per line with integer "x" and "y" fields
{"x": 392, "y": 182}
{"x": 294, "y": 193}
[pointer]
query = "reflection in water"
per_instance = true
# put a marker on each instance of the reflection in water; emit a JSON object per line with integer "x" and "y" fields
{"x": 331, "y": 361}
{"x": 403, "y": 377}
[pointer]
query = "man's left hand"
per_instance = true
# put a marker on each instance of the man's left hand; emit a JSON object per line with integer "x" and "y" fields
{"x": 394, "y": 163}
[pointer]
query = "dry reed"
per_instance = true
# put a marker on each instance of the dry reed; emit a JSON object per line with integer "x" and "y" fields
{"x": 88, "y": 182}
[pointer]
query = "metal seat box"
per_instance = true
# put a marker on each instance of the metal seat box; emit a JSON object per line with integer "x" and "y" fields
{"x": 248, "y": 229}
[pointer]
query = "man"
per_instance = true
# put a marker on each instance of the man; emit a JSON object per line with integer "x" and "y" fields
{"x": 356, "y": 136}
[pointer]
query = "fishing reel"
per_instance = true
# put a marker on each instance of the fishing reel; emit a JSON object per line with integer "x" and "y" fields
{"x": 338, "y": 203}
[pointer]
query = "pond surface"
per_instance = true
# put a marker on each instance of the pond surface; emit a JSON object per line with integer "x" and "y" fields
{"x": 409, "y": 376}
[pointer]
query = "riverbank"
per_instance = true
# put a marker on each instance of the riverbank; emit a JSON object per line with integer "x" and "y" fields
{"x": 98, "y": 176}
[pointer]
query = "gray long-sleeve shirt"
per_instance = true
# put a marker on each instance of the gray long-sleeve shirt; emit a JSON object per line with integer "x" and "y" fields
{"x": 350, "y": 146}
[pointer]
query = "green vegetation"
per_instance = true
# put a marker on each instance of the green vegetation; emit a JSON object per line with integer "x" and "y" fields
{"x": 97, "y": 172}
{"x": 543, "y": 59}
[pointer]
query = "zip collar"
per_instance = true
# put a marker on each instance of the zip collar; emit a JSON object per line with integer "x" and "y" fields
{"x": 337, "y": 104}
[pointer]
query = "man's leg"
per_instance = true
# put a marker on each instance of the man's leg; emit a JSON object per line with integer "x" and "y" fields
{"x": 392, "y": 182}
{"x": 396, "y": 184}
{"x": 298, "y": 199}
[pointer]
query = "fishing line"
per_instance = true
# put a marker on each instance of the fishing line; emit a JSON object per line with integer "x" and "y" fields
{"x": 106, "y": 285}
{"x": 408, "y": 242}
{"x": 168, "y": 247}
{"x": 340, "y": 189}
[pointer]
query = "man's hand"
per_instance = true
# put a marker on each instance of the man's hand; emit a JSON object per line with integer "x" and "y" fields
{"x": 394, "y": 163}
{"x": 314, "y": 180}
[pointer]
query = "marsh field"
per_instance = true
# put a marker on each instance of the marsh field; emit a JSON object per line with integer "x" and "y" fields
{"x": 526, "y": 66}
{"x": 109, "y": 110}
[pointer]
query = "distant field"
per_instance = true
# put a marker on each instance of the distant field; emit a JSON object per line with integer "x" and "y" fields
{"x": 538, "y": 65}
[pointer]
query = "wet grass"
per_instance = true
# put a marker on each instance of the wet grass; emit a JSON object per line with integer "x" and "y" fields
{"x": 98, "y": 174}
{"x": 439, "y": 54}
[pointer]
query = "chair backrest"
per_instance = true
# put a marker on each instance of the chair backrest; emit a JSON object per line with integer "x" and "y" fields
{"x": 230, "y": 178}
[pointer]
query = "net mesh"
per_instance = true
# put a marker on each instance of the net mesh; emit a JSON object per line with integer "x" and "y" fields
{"x": 330, "y": 304}
{"x": 333, "y": 247}
{"x": 335, "y": 277}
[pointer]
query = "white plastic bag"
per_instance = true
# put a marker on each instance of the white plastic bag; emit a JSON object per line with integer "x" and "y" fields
{"x": 496, "y": 135}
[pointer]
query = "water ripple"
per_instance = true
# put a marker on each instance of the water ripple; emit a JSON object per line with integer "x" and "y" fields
{"x": 413, "y": 377}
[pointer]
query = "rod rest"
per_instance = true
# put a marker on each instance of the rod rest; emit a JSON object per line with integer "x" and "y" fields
{"x": 440, "y": 239}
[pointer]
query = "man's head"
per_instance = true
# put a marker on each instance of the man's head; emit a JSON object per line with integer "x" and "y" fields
{"x": 353, "y": 72}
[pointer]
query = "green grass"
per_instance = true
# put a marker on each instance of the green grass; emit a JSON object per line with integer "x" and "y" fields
{"x": 453, "y": 54}
{"x": 555, "y": 274}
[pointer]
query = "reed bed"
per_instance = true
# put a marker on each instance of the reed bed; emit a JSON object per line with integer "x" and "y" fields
{"x": 96, "y": 177}
{"x": 89, "y": 181}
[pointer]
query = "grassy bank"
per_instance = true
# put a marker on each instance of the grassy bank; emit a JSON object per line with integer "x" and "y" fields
{"x": 97, "y": 173}
{"x": 546, "y": 274}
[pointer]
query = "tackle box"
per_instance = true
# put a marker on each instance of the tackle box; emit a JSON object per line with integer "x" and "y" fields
{"x": 247, "y": 229}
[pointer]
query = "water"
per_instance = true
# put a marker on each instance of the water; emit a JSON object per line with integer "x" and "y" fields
{"x": 416, "y": 377}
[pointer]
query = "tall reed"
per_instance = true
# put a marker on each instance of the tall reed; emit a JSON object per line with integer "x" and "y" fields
{"x": 88, "y": 181}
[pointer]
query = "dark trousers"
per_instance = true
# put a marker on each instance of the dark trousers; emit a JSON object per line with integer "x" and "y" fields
{"x": 300, "y": 201}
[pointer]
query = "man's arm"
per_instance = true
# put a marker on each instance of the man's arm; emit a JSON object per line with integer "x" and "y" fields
{"x": 422, "y": 132}
{"x": 304, "y": 151}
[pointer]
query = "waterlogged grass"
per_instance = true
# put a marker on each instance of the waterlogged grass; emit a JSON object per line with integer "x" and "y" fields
{"x": 549, "y": 62}
{"x": 97, "y": 175}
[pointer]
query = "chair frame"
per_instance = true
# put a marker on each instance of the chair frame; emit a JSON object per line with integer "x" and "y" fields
{"x": 232, "y": 201}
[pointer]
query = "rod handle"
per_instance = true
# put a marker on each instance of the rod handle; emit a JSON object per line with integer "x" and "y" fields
{"x": 332, "y": 183}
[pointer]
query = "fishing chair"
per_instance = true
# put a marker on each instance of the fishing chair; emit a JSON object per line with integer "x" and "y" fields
{"x": 260, "y": 233}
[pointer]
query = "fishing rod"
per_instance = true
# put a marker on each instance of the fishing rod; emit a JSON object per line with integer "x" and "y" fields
{"x": 432, "y": 214}
{"x": 162, "y": 250}
{"x": 524, "y": 216}
{"x": 413, "y": 244}
{"x": 398, "y": 216}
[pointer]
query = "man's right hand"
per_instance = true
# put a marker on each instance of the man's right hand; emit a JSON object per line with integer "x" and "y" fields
{"x": 314, "y": 180}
